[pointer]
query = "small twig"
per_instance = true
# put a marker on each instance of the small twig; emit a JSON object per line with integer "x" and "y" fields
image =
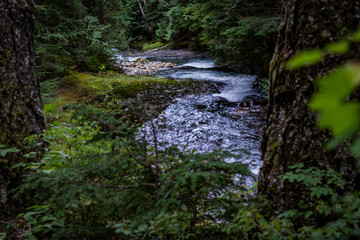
{"x": 141, "y": 163}
{"x": 159, "y": 48}
{"x": 135, "y": 158}
{"x": 166, "y": 196}
{"x": 145, "y": 150}
{"x": 12, "y": 225}
{"x": 156, "y": 144}
{"x": 147, "y": 232}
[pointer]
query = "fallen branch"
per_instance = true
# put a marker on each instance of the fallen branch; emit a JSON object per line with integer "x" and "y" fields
{"x": 159, "y": 48}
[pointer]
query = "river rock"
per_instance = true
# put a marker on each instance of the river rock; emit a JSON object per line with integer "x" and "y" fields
{"x": 252, "y": 104}
{"x": 143, "y": 67}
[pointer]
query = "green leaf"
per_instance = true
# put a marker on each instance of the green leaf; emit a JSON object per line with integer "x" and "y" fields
{"x": 321, "y": 191}
{"x": 3, "y": 152}
{"x": 2, "y": 236}
{"x": 308, "y": 214}
{"x": 340, "y": 47}
{"x": 335, "y": 87}
{"x": 339, "y": 116}
{"x": 355, "y": 148}
{"x": 336, "y": 141}
{"x": 22, "y": 164}
{"x": 56, "y": 123}
{"x": 304, "y": 59}
{"x": 343, "y": 120}
{"x": 30, "y": 154}
{"x": 49, "y": 108}
{"x": 299, "y": 165}
{"x": 356, "y": 36}
{"x": 288, "y": 214}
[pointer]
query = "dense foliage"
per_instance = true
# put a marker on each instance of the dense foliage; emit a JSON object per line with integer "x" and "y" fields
{"x": 236, "y": 32}
{"x": 83, "y": 33}
{"x": 78, "y": 33}
{"x": 100, "y": 178}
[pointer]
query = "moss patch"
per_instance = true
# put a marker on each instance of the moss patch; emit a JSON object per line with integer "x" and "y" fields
{"x": 91, "y": 86}
{"x": 159, "y": 92}
{"x": 150, "y": 46}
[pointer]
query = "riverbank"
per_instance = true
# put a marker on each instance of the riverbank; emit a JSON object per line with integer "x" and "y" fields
{"x": 135, "y": 62}
{"x": 158, "y": 93}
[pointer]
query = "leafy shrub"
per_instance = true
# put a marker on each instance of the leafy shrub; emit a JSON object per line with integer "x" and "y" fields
{"x": 48, "y": 89}
{"x": 170, "y": 24}
{"x": 339, "y": 215}
{"x": 79, "y": 34}
{"x": 100, "y": 178}
{"x": 234, "y": 32}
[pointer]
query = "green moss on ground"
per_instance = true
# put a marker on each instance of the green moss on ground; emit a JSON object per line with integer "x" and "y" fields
{"x": 97, "y": 89}
{"x": 92, "y": 86}
{"x": 150, "y": 46}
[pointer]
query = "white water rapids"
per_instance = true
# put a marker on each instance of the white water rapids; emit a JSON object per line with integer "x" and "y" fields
{"x": 209, "y": 122}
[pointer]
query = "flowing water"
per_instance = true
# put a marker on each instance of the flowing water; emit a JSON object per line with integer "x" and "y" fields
{"x": 208, "y": 122}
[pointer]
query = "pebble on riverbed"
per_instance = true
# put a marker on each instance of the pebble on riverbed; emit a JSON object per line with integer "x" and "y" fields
{"x": 143, "y": 67}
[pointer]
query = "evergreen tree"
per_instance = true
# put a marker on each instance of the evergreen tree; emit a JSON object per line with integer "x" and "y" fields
{"x": 78, "y": 33}
{"x": 235, "y": 31}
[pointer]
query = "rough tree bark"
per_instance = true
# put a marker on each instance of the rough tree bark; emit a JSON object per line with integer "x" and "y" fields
{"x": 291, "y": 134}
{"x": 21, "y": 112}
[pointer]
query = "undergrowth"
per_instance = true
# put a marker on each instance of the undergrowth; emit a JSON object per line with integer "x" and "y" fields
{"x": 100, "y": 178}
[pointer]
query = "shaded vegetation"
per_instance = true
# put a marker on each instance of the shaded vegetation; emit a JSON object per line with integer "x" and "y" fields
{"x": 111, "y": 88}
{"x": 99, "y": 177}
{"x": 78, "y": 33}
{"x": 84, "y": 33}
{"x": 236, "y": 32}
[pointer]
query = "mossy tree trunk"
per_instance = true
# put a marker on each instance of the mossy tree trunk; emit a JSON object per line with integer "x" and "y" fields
{"x": 291, "y": 134}
{"x": 20, "y": 104}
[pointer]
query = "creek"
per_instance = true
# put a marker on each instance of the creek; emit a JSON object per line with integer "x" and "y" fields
{"x": 207, "y": 122}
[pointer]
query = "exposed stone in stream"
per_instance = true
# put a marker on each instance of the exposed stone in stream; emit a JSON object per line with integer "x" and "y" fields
{"x": 142, "y": 66}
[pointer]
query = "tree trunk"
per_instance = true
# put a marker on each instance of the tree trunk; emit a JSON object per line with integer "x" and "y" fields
{"x": 21, "y": 112}
{"x": 102, "y": 12}
{"x": 80, "y": 62}
{"x": 291, "y": 134}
